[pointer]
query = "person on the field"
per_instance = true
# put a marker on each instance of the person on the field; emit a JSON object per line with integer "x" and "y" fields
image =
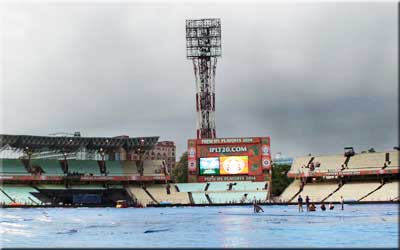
{"x": 323, "y": 208}
{"x": 312, "y": 207}
{"x": 307, "y": 203}
{"x": 342, "y": 202}
{"x": 300, "y": 203}
{"x": 256, "y": 207}
{"x": 331, "y": 206}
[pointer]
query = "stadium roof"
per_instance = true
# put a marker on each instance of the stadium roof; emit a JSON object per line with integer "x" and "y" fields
{"x": 75, "y": 142}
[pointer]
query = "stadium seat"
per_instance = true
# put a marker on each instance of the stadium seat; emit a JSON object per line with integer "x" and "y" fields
{"x": 129, "y": 168}
{"x": 51, "y": 186}
{"x": 387, "y": 192}
{"x": 4, "y": 200}
{"x": 298, "y": 163}
{"x": 114, "y": 168}
{"x": 191, "y": 187}
{"x": 140, "y": 195}
{"x": 318, "y": 191}
{"x": 353, "y": 191}
{"x": 199, "y": 198}
{"x": 248, "y": 186}
{"x": 84, "y": 167}
{"x": 329, "y": 162}
{"x": 218, "y": 186}
{"x": 12, "y": 167}
{"x": 21, "y": 194}
{"x": 290, "y": 191}
{"x": 367, "y": 161}
{"x": 50, "y": 167}
{"x": 159, "y": 192}
{"x": 88, "y": 187}
{"x": 152, "y": 167}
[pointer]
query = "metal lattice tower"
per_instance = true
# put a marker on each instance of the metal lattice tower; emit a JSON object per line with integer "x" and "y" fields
{"x": 203, "y": 46}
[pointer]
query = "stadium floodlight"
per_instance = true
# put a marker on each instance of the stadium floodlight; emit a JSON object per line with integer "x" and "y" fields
{"x": 203, "y": 46}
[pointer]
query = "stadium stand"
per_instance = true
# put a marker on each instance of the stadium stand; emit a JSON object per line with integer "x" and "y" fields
{"x": 87, "y": 187}
{"x": 248, "y": 186}
{"x": 12, "y": 167}
{"x": 353, "y": 191}
{"x": 191, "y": 187}
{"x": 200, "y": 198}
{"x": 180, "y": 197}
{"x": 114, "y": 168}
{"x": 152, "y": 167}
{"x": 394, "y": 159}
{"x": 84, "y": 167}
{"x": 51, "y": 186}
{"x": 388, "y": 192}
{"x": 228, "y": 197}
{"x": 50, "y": 167}
{"x": 290, "y": 191}
{"x": 329, "y": 162}
{"x": 318, "y": 191}
{"x": 129, "y": 168}
{"x": 140, "y": 195}
{"x": 218, "y": 186}
{"x": 159, "y": 192}
{"x": 366, "y": 161}
{"x": 4, "y": 200}
{"x": 21, "y": 194}
{"x": 299, "y": 163}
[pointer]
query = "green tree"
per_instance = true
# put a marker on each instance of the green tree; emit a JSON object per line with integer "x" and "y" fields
{"x": 371, "y": 150}
{"x": 180, "y": 172}
{"x": 279, "y": 179}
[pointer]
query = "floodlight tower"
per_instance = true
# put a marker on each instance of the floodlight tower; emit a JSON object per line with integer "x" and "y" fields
{"x": 203, "y": 46}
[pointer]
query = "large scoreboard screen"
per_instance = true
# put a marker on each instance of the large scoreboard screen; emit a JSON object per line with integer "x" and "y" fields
{"x": 234, "y": 165}
{"x": 229, "y": 159}
{"x": 209, "y": 166}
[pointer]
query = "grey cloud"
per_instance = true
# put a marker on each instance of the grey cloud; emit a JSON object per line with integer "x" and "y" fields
{"x": 315, "y": 77}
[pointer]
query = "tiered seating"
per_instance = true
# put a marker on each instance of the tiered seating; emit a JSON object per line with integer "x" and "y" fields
{"x": 84, "y": 167}
{"x": 218, "y": 186}
{"x": 51, "y": 186}
{"x": 228, "y": 197}
{"x": 191, "y": 187}
{"x": 129, "y": 168}
{"x": 248, "y": 185}
{"x": 394, "y": 159}
{"x": 50, "y": 167}
{"x": 179, "y": 197}
{"x": 88, "y": 187}
{"x": 21, "y": 194}
{"x": 291, "y": 190}
{"x": 367, "y": 160}
{"x": 4, "y": 200}
{"x": 152, "y": 167}
{"x": 298, "y": 163}
{"x": 114, "y": 168}
{"x": 387, "y": 192}
{"x": 199, "y": 198}
{"x": 159, "y": 192}
{"x": 12, "y": 167}
{"x": 139, "y": 194}
{"x": 331, "y": 162}
{"x": 318, "y": 191}
{"x": 353, "y": 191}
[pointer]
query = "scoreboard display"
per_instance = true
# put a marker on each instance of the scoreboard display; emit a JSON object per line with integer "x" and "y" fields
{"x": 222, "y": 159}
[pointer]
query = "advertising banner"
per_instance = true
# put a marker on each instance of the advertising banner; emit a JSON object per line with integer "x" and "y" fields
{"x": 192, "y": 156}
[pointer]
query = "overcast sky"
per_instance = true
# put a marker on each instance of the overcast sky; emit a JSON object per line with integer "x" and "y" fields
{"x": 315, "y": 77}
